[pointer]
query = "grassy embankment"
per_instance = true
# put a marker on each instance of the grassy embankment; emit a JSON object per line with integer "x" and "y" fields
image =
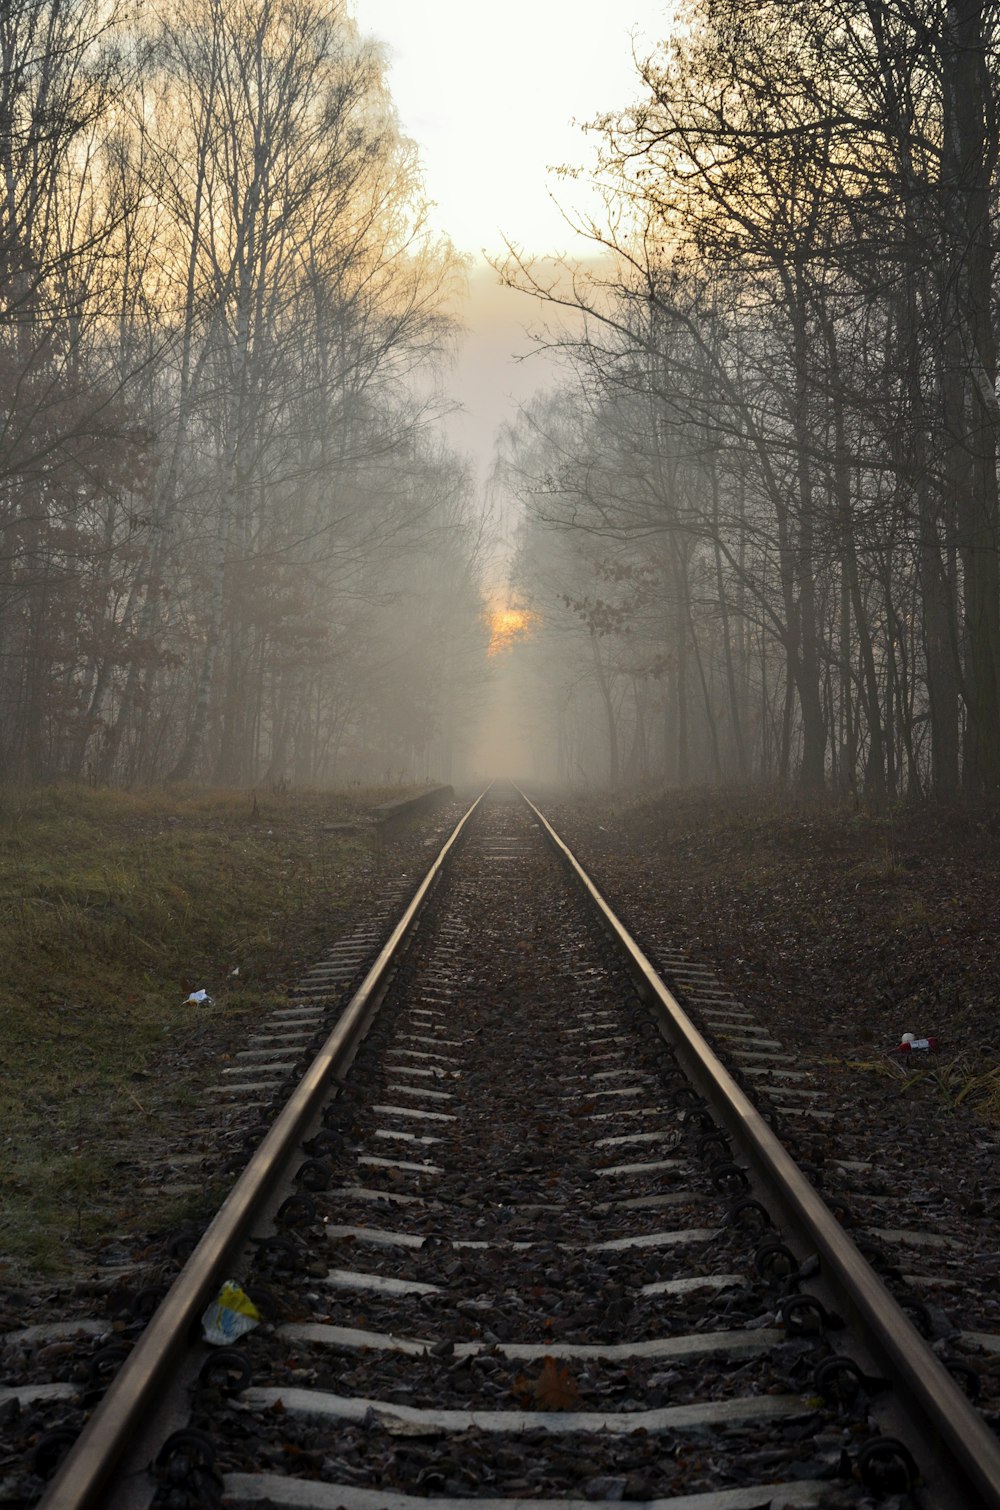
{"x": 113, "y": 907}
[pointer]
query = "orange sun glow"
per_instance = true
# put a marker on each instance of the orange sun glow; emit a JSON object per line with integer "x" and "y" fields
{"x": 507, "y": 626}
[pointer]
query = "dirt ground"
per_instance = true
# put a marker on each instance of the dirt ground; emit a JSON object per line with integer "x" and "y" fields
{"x": 850, "y": 929}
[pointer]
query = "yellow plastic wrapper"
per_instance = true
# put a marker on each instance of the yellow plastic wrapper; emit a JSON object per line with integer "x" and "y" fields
{"x": 231, "y": 1314}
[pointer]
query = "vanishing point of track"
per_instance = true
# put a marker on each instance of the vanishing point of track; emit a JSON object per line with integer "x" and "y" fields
{"x": 518, "y": 1239}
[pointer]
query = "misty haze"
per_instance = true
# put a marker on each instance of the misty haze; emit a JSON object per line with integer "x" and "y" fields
{"x": 743, "y": 494}
{"x": 499, "y": 754}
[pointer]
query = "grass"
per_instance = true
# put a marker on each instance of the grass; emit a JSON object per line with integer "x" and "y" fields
{"x": 881, "y": 1067}
{"x": 880, "y": 869}
{"x": 962, "y": 1080}
{"x": 113, "y": 907}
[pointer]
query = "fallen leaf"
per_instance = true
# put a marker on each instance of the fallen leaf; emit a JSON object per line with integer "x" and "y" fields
{"x": 554, "y": 1389}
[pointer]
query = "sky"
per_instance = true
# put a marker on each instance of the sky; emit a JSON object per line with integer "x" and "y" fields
{"x": 493, "y": 96}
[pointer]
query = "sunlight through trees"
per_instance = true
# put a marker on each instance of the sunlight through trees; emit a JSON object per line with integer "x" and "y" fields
{"x": 217, "y": 288}
{"x": 777, "y": 451}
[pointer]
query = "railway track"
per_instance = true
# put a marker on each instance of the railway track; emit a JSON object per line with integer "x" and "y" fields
{"x": 915, "y": 1184}
{"x": 518, "y": 1237}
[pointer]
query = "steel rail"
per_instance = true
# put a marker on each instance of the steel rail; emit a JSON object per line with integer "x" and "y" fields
{"x": 85, "y": 1474}
{"x": 928, "y": 1392}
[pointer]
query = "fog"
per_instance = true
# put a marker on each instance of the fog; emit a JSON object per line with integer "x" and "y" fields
{"x": 296, "y": 488}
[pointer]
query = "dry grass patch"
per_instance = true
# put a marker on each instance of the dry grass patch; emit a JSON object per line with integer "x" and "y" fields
{"x": 962, "y": 1080}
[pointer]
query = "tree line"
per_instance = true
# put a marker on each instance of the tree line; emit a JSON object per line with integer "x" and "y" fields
{"x": 231, "y": 546}
{"x": 762, "y": 515}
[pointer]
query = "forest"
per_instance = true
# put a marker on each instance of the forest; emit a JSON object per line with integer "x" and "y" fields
{"x": 232, "y": 543}
{"x": 761, "y": 512}
{"x": 758, "y": 514}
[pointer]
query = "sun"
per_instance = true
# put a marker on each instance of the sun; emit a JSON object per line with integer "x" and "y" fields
{"x": 508, "y": 626}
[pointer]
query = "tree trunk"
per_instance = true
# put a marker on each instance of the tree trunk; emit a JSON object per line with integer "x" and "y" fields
{"x": 970, "y": 159}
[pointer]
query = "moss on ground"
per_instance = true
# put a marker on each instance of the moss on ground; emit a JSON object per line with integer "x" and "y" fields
{"x": 113, "y": 908}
